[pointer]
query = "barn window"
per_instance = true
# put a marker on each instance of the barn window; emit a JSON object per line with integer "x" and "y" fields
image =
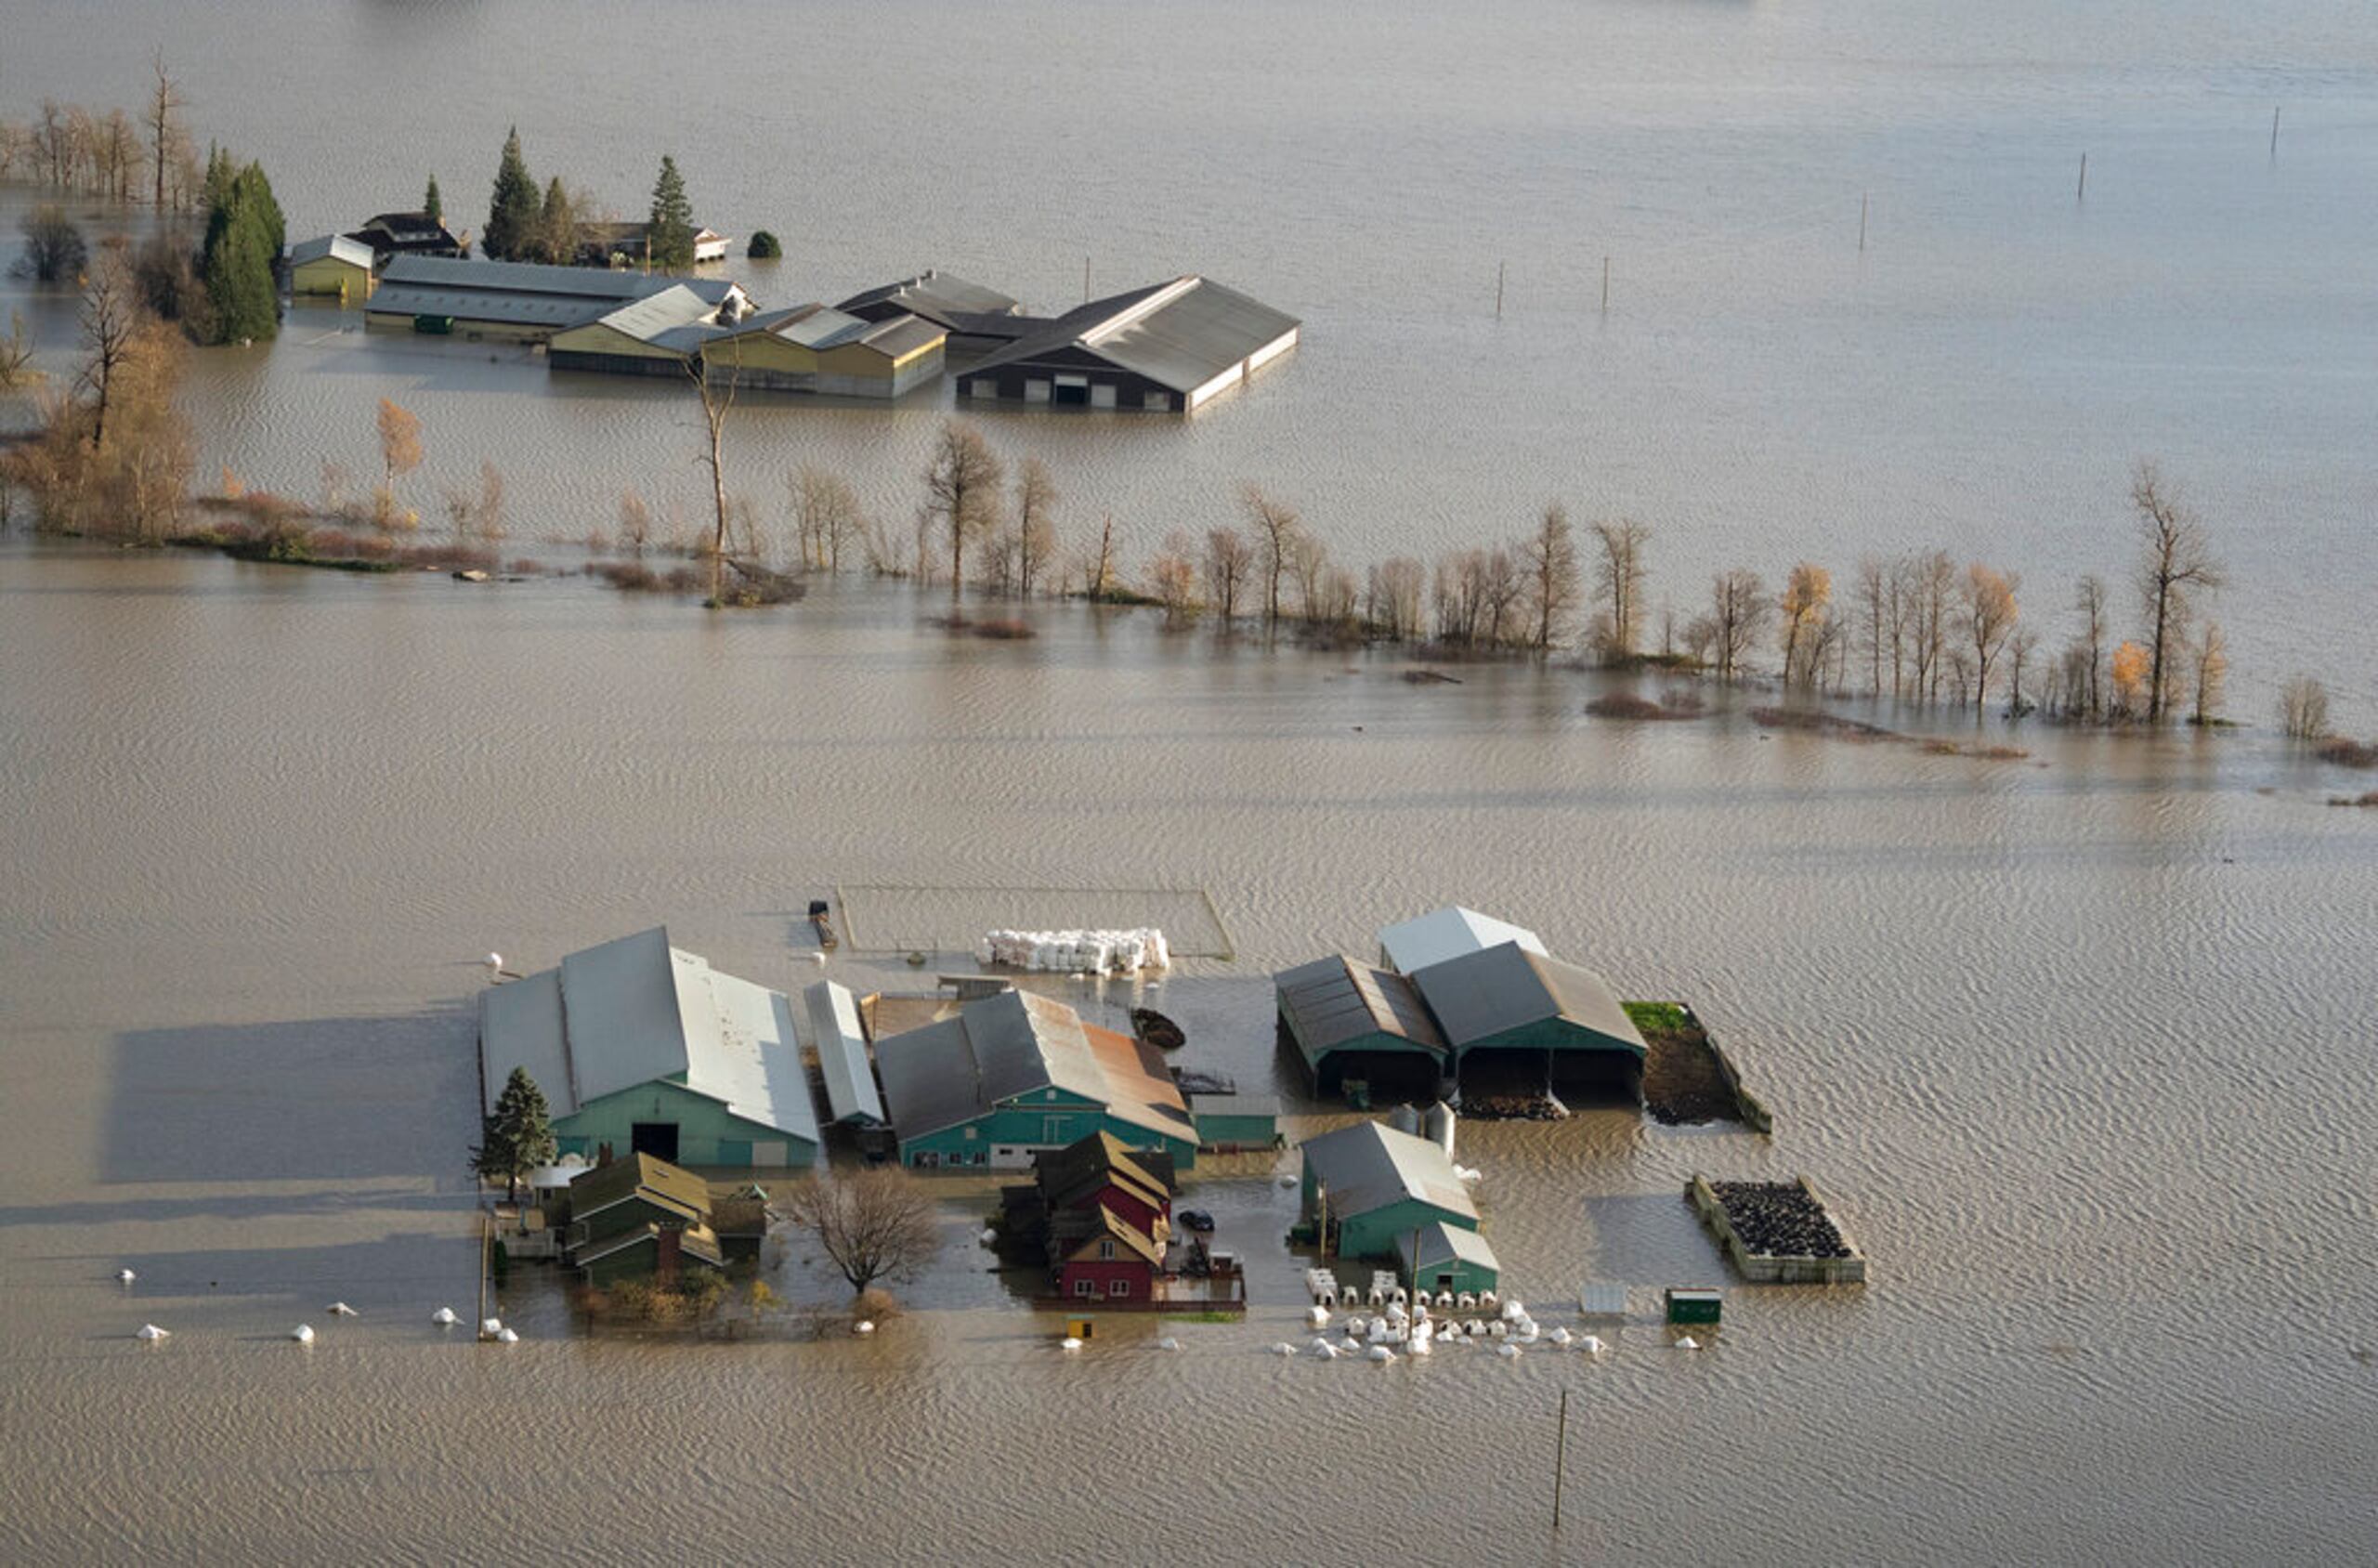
{"x": 1118, "y": 1287}
{"x": 1085, "y": 1287}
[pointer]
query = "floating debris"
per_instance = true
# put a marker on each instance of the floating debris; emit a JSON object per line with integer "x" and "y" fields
{"x": 340, "y": 1309}
{"x": 303, "y": 1333}
{"x": 1167, "y": 1343}
{"x": 125, "y": 1276}
{"x": 863, "y": 1327}
{"x": 444, "y": 1318}
{"x": 1070, "y": 1343}
{"x": 507, "y": 1337}
{"x": 152, "y": 1333}
{"x": 1508, "y": 1351}
{"x": 1688, "y": 1343}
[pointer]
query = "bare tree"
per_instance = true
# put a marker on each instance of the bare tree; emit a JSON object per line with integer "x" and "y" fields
{"x": 1229, "y": 560}
{"x": 2089, "y": 598}
{"x": 1501, "y": 586}
{"x": 872, "y": 1225}
{"x": 2020, "y": 649}
{"x": 961, "y": 494}
{"x": 2174, "y": 562}
{"x": 1098, "y": 578}
{"x": 165, "y": 140}
{"x": 1172, "y": 578}
{"x": 110, "y": 320}
{"x": 717, "y": 403}
{"x": 54, "y": 249}
{"x": 1738, "y": 611}
{"x": 1275, "y": 525}
{"x": 1806, "y": 594}
{"x": 826, "y": 514}
{"x": 17, "y": 356}
{"x": 2304, "y": 709}
{"x": 2211, "y": 674}
{"x": 399, "y": 453}
{"x": 1931, "y": 587}
{"x": 1392, "y": 596}
{"x": 1036, "y": 523}
{"x": 1618, "y": 583}
{"x": 1990, "y": 613}
{"x": 1309, "y": 559}
{"x": 1554, "y": 577}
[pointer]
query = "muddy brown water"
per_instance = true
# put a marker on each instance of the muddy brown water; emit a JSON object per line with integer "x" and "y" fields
{"x": 2079, "y": 1048}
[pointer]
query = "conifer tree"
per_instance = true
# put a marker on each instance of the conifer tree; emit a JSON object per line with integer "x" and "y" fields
{"x": 512, "y": 213}
{"x": 517, "y": 1136}
{"x": 670, "y": 241}
{"x": 245, "y": 233}
{"x": 433, "y": 203}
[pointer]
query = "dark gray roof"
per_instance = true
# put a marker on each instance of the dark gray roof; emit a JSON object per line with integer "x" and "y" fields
{"x": 1180, "y": 334}
{"x": 1367, "y": 1166}
{"x": 999, "y": 1046}
{"x": 1485, "y": 993}
{"x": 937, "y": 296}
{"x": 1331, "y": 1001}
{"x": 521, "y": 294}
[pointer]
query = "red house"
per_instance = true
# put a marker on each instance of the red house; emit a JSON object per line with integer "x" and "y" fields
{"x": 1103, "y": 1213}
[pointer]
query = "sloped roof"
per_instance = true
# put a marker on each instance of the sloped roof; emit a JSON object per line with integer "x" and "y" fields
{"x": 1180, "y": 334}
{"x": 355, "y": 253}
{"x": 939, "y": 296}
{"x": 636, "y": 1009}
{"x": 834, "y": 1030}
{"x": 1483, "y": 994}
{"x": 1369, "y": 1166}
{"x": 656, "y": 1180}
{"x": 1447, "y": 934}
{"x": 1065, "y": 1175}
{"x": 694, "y": 1240}
{"x": 648, "y": 319}
{"x": 1440, "y": 1243}
{"x": 999, "y": 1046}
{"x": 1337, "y": 999}
{"x": 1112, "y": 1226}
{"x": 520, "y": 293}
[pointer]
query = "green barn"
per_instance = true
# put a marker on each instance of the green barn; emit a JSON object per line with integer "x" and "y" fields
{"x": 1348, "y": 1019}
{"x": 1012, "y": 1074}
{"x": 1230, "y": 1122}
{"x": 641, "y": 1048}
{"x": 1369, "y": 1187}
{"x": 1439, "y": 1257}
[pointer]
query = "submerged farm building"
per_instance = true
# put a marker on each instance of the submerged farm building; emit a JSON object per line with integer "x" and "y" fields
{"x": 394, "y": 234}
{"x": 977, "y": 319}
{"x": 642, "y": 1048}
{"x": 332, "y": 265}
{"x": 515, "y": 301}
{"x": 1169, "y": 348}
{"x": 1014, "y": 1073}
{"x": 808, "y": 349}
{"x": 1369, "y": 1190}
{"x": 640, "y": 1217}
{"x": 1100, "y": 1213}
{"x": 1480, "y": 1004}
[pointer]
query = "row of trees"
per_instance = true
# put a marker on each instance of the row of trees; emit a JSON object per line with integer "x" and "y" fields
{"x": 524, "y": 225}
{"x": 111, "y": 154}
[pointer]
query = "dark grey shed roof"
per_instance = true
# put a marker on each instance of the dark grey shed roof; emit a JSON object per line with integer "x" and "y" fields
{"x": 1483, "y": 994}
{"x": 1334, "y": 1000}
{"x": 1367, "y": 1166}
{"x": 521, "y": 294}
{"x": 939, "y": 296}
{"x": 1180, "y": 334}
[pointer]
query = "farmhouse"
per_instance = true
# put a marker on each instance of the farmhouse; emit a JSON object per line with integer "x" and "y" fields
{"x": 640, "y": 1217}
{"x": 642, "y": 1048}
{"x": 1012, "y": 1074}
{"x": 627, "y": 244}
{"x": 394, "y": 234}
{"x": 1101, "y": 1214}
{"x": 1169, "y": 348}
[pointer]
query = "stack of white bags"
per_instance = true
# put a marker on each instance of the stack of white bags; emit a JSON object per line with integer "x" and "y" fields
{"x": 1077, "y": 952}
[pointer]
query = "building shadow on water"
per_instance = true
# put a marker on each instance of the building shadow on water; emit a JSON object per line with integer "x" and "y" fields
{"x": 325, "y": 1100}
{"x": 378, "y": 1275}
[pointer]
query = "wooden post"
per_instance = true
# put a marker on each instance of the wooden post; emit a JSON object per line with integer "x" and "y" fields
{"x": 1559, "y": 1459}
{"x": 2081, "y": 190}
{"x": 477, "y": 1328}
{"x": 1498, "y": 289}
{"x": 2274, "y": 134}
{"x": 1605, "y": 285}
{"x": 1862, "y": 223}
{"x": 1085, "y": 280}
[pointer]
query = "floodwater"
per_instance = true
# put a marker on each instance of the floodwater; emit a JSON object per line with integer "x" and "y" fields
{"x": 2078, "y": 1044}
{"x": 1760, "y": 390}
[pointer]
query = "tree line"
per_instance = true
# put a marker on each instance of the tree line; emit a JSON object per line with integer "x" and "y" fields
{"x": 112, "y": 154}
{"x": 524, "y": 224}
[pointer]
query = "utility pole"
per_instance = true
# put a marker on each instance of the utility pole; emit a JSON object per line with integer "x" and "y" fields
{"x": 2081, "y": 190}
{"x": 1862, "y": 223}
{"x": 2274, "y": 134}
{"x": 1559, "y": 1459}
{"x": 1605, "y": 285}
{"x": 1499, "y": 290}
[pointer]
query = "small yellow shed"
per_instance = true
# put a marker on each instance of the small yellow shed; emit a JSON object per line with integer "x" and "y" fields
{"x": 333, "y": 266}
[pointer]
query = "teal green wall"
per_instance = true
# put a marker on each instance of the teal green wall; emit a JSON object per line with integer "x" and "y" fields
{"x": 1553, "y": 1034}
{"x": 1037, "y": 1121}
{"x": 1375, "y": 1234}
{"x": 1237, "y": 1129}
{"x": 637, "y": 1262}
{"x": 1467, "y": 1275}
{"x": 707, "y": 1132}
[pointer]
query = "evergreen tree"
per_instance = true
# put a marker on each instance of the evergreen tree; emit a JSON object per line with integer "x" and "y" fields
{"x": 245, "y": 234}
{"x": 511, "y": 215}
{"x": 670, "y": 241}
{"x": 433, "y": 203}
{"x": 517, "y": 1136}
{"x": 557, "y": 233}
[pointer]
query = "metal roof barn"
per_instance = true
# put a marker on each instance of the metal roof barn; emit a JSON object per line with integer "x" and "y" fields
{"x": 832, "y": 1017}
{"x": 1482, "y": 998}
{"x": 1368, "y": 1167}
{"x": 1448, "y": 934}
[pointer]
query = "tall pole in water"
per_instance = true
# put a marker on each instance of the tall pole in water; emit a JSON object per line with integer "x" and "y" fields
{"x": 1498, "y": 289}
{"x": 1559, "y": 1459}
{"x": 1605, "y": 285}
{"x": 1862, "y": 223}
{"x": 1085, "y": 280}
{"x": 2081, "y": 190}
{"x": 2274, "y": 134}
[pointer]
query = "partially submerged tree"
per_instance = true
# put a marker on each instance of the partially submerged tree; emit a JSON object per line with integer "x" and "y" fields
{"x": 166, "y": 143}
{"x": 961, "y": 494}
{"x": 1275, "y": 525}
{"x": 717, "y": 403}
{"x": 2304, "y": 709}
{"x": 827, "y": 515}
{"x": 1738, "y": 611}
{"x": 512, "y": 209}
{"x": 873, "y": 1224}
{"x": 516, "y": 1137}
{"x": 1618, "y": 584}
{"x": 2175, "y": 563}
{"x": 1036, "y": 523}
{"x": 1550, "y": 559}
{"x": 2211, "y": 674}
{"x": 54, "y": 249}
{"x": 399, "y": 453}
{"x": 244, "y": 236}
{"x": 1808, "y": 595}
{"x": 17, "y": 356}
{"x": 1990, "y": 613}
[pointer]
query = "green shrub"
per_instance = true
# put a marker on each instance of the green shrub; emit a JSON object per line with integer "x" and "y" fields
{"x": 764, "y": 247}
